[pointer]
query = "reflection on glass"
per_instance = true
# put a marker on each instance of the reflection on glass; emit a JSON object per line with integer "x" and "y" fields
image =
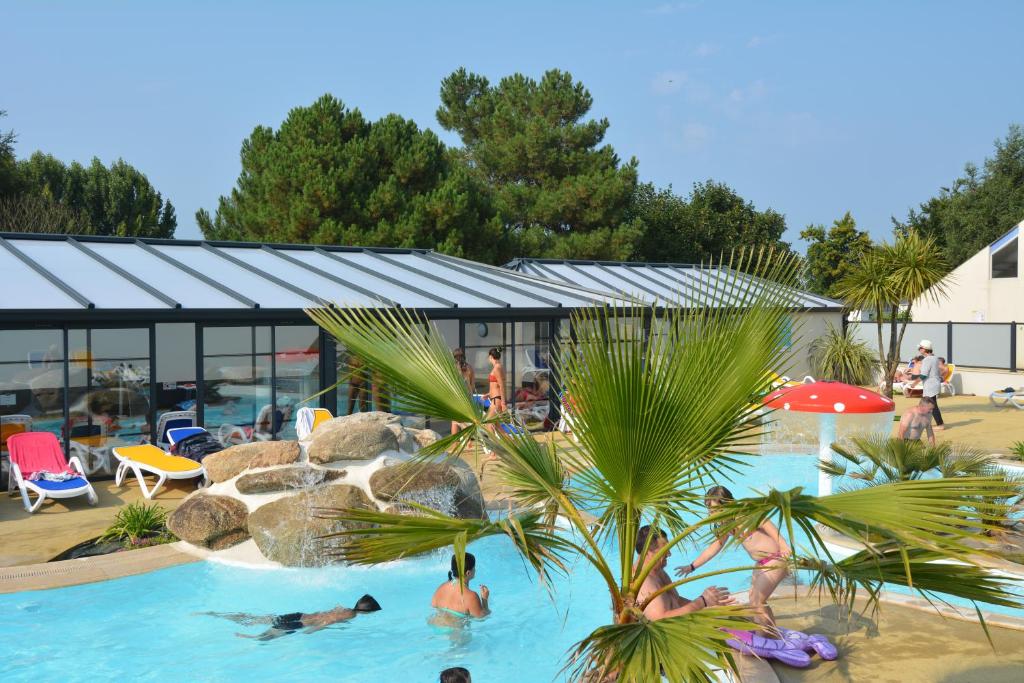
{"x": 297, "y": 358}
{"x": 175, "y": 377}
{"x": 108, "y": 393}
{"x": 31, "y": 385}
{"x": 532, "y": 374}
{"x": 236, "y": 388}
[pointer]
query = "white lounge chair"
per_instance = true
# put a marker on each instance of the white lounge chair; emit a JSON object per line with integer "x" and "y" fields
{"x": 173, "y": 420}
{"x": 148, "y": 459}
{"x": 308, "y": 419}
{"x": 1003, "y": 398}
{"x": 9, "y": 426}
{"x": 37, "y": 452}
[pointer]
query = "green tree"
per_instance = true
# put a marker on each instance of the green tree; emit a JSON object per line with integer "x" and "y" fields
{"x": 978, "y": 207}
{"x": 557, "y": 190}
{"x": 832, "y": 253}
{"x": 650, "y": 437}
{"x": 115, "y": 200}
{"x": 8, "y": 164}
{"x": 892, "y": 277}
{"x": 713, "y": 220}
{"x": 329, "y": 176}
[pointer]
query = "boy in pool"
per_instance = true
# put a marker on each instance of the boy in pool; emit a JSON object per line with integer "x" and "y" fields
{"x": 307, "y": 622}
{"x": 766, "y": 547}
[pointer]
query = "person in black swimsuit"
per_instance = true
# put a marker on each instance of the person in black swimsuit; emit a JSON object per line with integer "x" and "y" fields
{"x": 307, "y": 622}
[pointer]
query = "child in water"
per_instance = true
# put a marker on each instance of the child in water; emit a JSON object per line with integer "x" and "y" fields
{"x": 766, "y": 547}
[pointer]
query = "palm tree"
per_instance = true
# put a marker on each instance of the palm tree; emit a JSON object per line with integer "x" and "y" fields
{"x": 877, "y": 460}
{"x": 838, "y": 355}
{"x": 894, "y": 275}
{"x": 651, "y": 438}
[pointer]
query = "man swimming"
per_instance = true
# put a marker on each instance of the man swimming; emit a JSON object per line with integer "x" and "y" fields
{"x": 917, "y": 421}
{"x": 307, "y": 622}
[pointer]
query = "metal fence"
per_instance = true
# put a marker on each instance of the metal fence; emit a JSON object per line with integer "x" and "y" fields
{"x": 980, "y": 345}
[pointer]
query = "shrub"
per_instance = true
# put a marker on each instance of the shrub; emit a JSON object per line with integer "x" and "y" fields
{"x": 138, "y": 522}
{"x": 838, "y": 356}
{"x": 1017, "y": 450}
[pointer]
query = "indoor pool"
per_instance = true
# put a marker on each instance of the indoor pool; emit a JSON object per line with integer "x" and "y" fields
{"x": 144, "y": 626}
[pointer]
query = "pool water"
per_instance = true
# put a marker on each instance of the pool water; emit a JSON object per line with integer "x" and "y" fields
{"x": 145, "y": 627}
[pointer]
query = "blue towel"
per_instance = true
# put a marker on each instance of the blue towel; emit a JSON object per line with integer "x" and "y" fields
{"x": 75, "y": 483}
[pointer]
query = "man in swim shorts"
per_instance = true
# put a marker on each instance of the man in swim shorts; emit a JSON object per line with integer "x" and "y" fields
{"x": 916, "y": 421}
{"x": 307, "y": 622}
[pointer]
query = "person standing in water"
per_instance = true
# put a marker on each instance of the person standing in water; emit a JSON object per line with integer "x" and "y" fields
{"x": 455, "y": 598}
{"x": 456, "y": 674}
{"x": 765, "y": 546}
{"x": 307, "y": 622}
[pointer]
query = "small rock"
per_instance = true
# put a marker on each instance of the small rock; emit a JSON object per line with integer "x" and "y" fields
{"x": 425, "y": 437}
{"x": 286, "y": 479}
{"x": 288, "y": 530}
{"x": 214, "y": 522}
{"x": 235, "y": 460}
{"x": 362, "y": 436}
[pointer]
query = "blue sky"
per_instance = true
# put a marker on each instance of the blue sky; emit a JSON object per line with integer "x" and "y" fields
{"x": 812, "y": 108}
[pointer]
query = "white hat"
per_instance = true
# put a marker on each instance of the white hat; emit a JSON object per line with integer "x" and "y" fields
{"x": 925, "y": 344}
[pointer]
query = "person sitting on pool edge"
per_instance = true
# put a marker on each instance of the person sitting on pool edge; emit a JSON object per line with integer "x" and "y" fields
{"x": 456, "y": 598}
{"x": 456, "y": 674}
{"x": 307, "y": 622}
{"x": 670, "y": 603}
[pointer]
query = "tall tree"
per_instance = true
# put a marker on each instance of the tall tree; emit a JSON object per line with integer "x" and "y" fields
{"x": 832, "y": 253}
{"x": 978, "y": 207}
{"x": 712, "y": 221}
{"x": 330, "y": 176}
{"x": 114, "y": 200}
{"x": 889, "y": 277}
{"x": 8, "y": 166}
{"x": 557, "y": 190}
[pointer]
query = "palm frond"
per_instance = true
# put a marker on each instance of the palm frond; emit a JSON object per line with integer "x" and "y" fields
{"x": 690, "y": 647}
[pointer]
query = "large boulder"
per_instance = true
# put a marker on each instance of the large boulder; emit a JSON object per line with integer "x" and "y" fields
{"x": 214, "y": 522}
{"x": 431, "y": 484}
{"x": 290, "y": 530}
{"x": 235, "y": 460}
{"x": 362, "y": 436}
{"x": 291, "y": 478}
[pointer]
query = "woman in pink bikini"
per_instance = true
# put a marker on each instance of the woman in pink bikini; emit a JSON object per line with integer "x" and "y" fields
{"x": 766, "y": 547}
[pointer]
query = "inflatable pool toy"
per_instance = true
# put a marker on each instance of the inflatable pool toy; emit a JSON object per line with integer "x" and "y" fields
{"x": 750, "y": 643}
{"x": 810, "y": 643}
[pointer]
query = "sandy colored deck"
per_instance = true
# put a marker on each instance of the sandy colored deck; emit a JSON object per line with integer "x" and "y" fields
{"x": 63, "y": 524}
{"x": 974, "y": 420}
{"x": 901, "y": 645}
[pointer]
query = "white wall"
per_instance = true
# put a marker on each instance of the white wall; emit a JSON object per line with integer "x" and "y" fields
{"x": 808, "y": 327}
{"x": 974, "y": 296}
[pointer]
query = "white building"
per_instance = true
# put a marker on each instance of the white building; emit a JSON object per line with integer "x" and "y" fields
{"x": 986, "y": 288}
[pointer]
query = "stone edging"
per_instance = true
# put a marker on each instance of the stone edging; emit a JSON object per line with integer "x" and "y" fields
{"x": 91, "y": 569}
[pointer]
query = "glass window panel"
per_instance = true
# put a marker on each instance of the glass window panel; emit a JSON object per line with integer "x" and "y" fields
{"x": 245, "y": 282}
{"x": 33, "y": 290}
{"x": 108, "y": 394}
{"x": 221, "y": 341}
{"x": 1004, "y": 261}
{"x": 531, "y": 367}
{"x": 983, "y": 346}
{"x": 402, "y": 295}
{"x": 236, "y": 398}
{"x": 31, "y": 386}
{"x": 298, "y": 372}
{"x": 175, "y": 370}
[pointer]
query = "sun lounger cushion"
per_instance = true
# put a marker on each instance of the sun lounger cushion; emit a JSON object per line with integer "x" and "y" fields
{"x": 154, "y": 457}
{"x": 65, "y": 485}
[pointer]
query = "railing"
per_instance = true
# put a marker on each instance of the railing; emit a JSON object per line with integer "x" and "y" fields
{"x": 981, "y": 345}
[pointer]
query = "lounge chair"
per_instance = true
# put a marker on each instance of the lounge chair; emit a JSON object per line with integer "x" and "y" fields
{"x": 148, "y": 459}
{"x": 10, "y": 425}
{"x": 173, "y": 420}
{"x": 308, "y": 419}
{"x": 87, "y": 440}
{"x": 947, "y": 381}
{"x": 1008, "y": 396}
{"x": 36, "y": 452}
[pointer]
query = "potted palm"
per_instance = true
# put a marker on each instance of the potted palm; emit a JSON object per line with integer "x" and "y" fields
{"x": 653, "y": 430}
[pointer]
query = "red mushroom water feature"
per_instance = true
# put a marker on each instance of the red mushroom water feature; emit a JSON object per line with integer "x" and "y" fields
{"x": 830, "y": 399}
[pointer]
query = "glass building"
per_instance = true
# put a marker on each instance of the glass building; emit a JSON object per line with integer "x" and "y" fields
{"x": 102, "y": 339}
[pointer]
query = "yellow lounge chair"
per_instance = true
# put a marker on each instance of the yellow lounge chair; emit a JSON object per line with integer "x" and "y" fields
{"x": 308, "y": 419}
{"x": 150, "y": 459}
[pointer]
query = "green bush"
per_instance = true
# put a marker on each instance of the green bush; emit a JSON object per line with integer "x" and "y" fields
{"x": 1017, "y": 450}
{"x": 836, "y": 355}
{"x": 139, "y": 524}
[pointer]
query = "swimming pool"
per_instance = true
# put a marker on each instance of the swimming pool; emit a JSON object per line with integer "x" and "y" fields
{"x": 144, "y": 626}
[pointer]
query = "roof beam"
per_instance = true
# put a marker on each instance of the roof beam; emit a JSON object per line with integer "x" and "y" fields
{"x": 387, "y": 278}
{"x": 430, "y": 256}
{"x": 331, "y": 276}
{"x": 441, "y": 281}
{"x": 205, "y": 279}
{"x": 110, "y": 265}
{"x": 263, "y": 274}
{"x": 50, "y": 277}
{"x": 615, "y": 273}
{"x": 544, "y": 270}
